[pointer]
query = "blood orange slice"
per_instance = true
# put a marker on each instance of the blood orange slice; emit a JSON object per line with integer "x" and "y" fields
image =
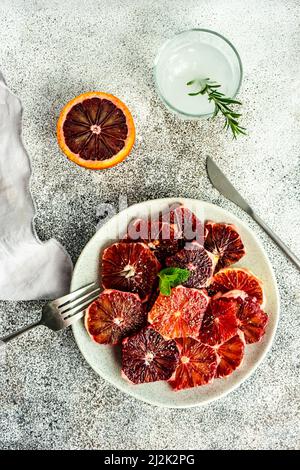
{"x": 113, "y": 316}
{"x": 180, "y": 314}
{"x": 197, "y": 364}
{"x": 232, "y": 294}
{"x": 96, "y": 130}
{"x": 237, "y": 279}
{"x": 230, "y": 355}
{"x": 161, "y": 237}
{"x": 224, "y": 242}
{"x": 219, "y": 322}
{"x": 130, "y": 267}
{"x": 148, "y": 357}
{"x": 188, "y": 224}
{"x": 197, "y": 260}
{"x": 252, "y": 320}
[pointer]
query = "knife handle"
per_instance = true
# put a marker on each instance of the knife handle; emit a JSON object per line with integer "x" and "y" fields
{"x": 276, "y": 239}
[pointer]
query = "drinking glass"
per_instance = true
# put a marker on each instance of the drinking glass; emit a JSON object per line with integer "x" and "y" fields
{"x": 194, "y": 55}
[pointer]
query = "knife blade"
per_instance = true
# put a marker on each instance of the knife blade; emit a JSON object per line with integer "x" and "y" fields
{"x": 224, "y": 186}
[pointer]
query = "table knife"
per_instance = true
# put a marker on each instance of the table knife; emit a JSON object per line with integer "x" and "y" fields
{"x": 223, "y": 185}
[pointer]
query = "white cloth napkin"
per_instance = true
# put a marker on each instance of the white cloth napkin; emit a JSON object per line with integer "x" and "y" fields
{"x": 29, "y": 269}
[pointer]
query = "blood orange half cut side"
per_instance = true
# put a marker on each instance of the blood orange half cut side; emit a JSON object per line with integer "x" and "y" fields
{"x": 237, "y": 279}
{"x": 130, "y": 267}
{"x": 113, "y": 316}
{"x": 180, "y": 314}
{"x": 224, "y": 241}
{"x": 148, "y": 357}
{"x": 230, "y": 355}
{"x": 219, "y": 322}
{"x": 96, "y": 130}
{"x": 197, "y": 364}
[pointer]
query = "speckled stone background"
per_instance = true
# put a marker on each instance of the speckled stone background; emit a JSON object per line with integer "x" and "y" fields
{"x": 53, "y": 50}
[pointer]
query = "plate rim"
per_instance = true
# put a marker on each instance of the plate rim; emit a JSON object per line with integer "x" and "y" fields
{"x": 169, "y": 201}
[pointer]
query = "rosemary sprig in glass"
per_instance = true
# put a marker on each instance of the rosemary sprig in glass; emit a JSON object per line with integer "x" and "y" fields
{"x": 222, "y": 104}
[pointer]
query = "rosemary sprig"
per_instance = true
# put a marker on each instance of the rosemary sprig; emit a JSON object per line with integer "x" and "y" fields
{"x": 222, "y": 104}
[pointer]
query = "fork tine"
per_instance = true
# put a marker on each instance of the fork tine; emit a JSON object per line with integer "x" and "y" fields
{"x": 77, "y": 302}
{"x": 73, "y": 295}
{"x": 73, "y": 319}
{"x": 75, "y": 311}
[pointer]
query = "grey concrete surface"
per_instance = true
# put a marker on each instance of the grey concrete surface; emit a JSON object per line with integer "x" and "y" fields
{"x": 53, "y": 50}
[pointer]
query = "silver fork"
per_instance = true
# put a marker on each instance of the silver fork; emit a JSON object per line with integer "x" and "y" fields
{"x": 61, "y": 313}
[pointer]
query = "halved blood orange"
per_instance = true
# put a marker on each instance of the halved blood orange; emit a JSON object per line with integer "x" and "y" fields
{"x": 224, "y": 241}
{"x": 197, "y": 364}
{"x": 148, "y": 357}
{"x": 130, "y": 267}
{"x": 230, "y": 355}
{"x": 96, "y": 130}
{"x": 219, "y": 322}
{"x": 113, "y": 316}
{"x": 237, "y": 279}
{"x": 180, "y": 314}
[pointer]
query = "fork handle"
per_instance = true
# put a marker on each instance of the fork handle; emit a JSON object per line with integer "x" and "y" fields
{"x": 7, "y": 338}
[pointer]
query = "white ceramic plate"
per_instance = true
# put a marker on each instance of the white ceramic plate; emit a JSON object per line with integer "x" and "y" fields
{"x": 105, "y": 360}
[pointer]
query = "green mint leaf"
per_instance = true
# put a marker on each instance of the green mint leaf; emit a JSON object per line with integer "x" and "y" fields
{"x": 182, "y": 276}
{"x": 167, "y": 273}
{"x": 171, "y": 277}
{"x": 164, "y": 286}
